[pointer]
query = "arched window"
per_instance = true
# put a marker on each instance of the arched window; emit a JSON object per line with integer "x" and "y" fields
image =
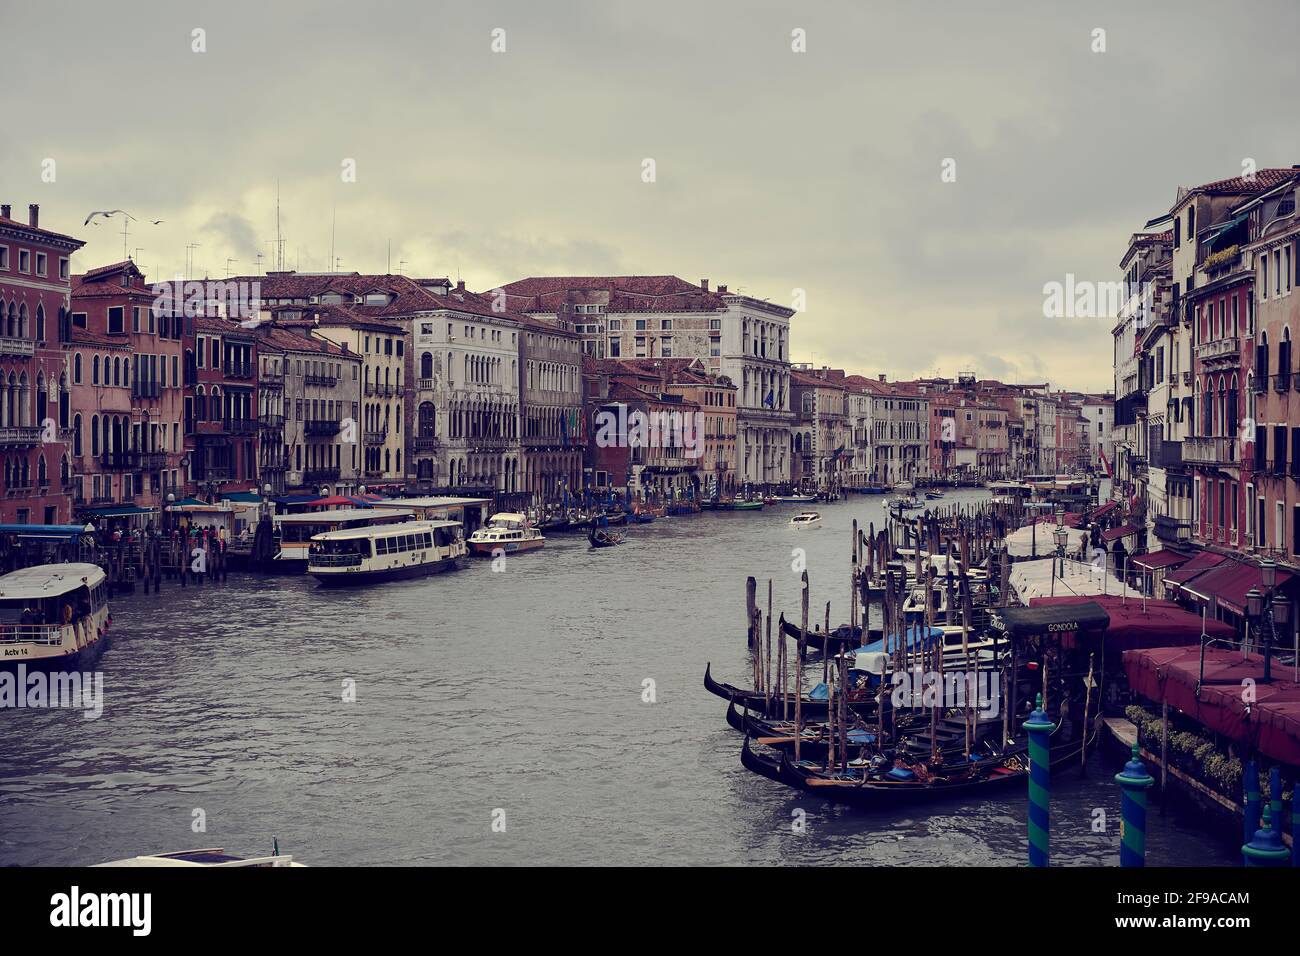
{"x": 94, "y": 371}
{"x": 94, "y": 434}
{"x": 40, "y": 322}
{"x": 76, "y": 368}
{"x": 426, "y": 365}
{"x": 76, "y": 435}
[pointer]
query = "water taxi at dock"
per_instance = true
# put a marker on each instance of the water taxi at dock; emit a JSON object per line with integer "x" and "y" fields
{"x": 386, "y": 552}
{"x": 53, "y": 617}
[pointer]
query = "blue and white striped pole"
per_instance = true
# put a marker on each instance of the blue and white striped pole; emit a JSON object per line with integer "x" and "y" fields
{"x": 1265, "y": 848}
{"x": 1039, "y": 729}
{"x": 1134, "y": 781}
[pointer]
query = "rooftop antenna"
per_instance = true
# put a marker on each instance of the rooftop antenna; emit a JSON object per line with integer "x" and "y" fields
{"x": 125, "y": 222}
{"x": 401, "y": 263}
{"x": 228, "y": 262}
{"x": 138, "y": 250}
{"x": 334, "y": 217}
{"x": 279, "y": 243}
{"x": 259, "y": 259}
{"x": 388, "y": 269}
{"x": 189, "y": 259}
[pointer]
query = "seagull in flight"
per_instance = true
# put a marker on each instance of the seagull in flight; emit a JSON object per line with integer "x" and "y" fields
{"x": 107, "y": 214}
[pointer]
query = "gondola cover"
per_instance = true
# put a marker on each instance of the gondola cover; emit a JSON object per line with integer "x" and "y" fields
{"x": 1058, "y": 620}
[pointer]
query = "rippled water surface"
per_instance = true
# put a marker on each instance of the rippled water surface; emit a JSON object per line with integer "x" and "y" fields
{"x": 476, "y": 691}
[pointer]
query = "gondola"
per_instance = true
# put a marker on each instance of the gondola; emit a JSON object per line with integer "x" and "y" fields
{"x": 643, "y": 517}
{"x": 553, "y": 524}
{"x": 810, "y": 708}
{"x": 615, "y": 518}
{"x": 603, "y": 538}
{"x": 814, "y": 742}
{"x": 841, "y": 637}
{"x": 896, "y": 787}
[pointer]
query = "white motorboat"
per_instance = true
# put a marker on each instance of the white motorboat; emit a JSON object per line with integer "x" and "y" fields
{"x": 806, "y": 519}
{"x": 508, "y": 532}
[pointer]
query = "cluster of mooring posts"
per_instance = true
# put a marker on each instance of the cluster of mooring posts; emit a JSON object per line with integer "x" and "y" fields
{"x": 923, "y": 596}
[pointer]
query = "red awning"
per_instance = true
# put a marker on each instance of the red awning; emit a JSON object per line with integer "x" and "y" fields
{"x": 1138, "y": 624}
{"x": 1199, "y": 563}
{"x": 1160, "y": 559}
{"x": 1104, "y": 510}
{"x": 1070, "y": 519}
{"x": 1123, "y": 531}
{"x": 1270, "y": 725}
{"x": 331, "y": 502}
{"x": 1229, "y": 582}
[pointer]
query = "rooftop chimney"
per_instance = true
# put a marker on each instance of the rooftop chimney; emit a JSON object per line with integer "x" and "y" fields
{"x": 4, "y": 211}
{"x": 704, "y": 284}
{"x": 460, "y": 285}
{"x": 881, "y": 376}
{"x": 34, "y": 215}
{"x": 722, "y": 290}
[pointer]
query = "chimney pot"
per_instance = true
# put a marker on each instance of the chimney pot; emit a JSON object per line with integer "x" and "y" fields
{"x": 4, "y": 210}
{"x": 722, "y": 290}
{"x": 704, "y": 284}
{"x": 881, "y": 376}
{"x": 460, "y": 285}
{"x": 34, "y": 215}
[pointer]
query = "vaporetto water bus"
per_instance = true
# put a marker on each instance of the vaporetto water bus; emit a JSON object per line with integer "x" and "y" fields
{"x": 386, "y": 552}
{"x": 53, "y": 617}
{"x": 296, "y": 531}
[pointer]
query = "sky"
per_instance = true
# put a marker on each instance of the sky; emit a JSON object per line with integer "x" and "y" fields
{"x": 497, "y": 140}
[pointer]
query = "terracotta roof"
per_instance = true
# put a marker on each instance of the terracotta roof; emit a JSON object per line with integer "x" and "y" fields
{"x": 407, "y": 295}
{"x": 39, "y": 233}
{"x": 808, "y": 378}
{"x": 616, "y": 293}
{"x": 1263, "y": 179}
{"x": 292, "y": 340}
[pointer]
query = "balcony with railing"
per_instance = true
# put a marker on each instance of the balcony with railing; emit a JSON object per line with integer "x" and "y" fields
{"x": 315, "y": 475}
{"x": 141, "y": 388}
{"x": 488, "y": 442}
{"x": 153, "y": 460}
{"x": 238, "y": 369}
{"x": 324, "y": 381}
{"x": 1282, "y": 381}
{"x": 1203, "y": 450}
{"x": 20, "y": 435}
{"x": 376, "y": 436}
{"x": 1217, "y": 349}
{"x": 239, "y": 426}
{"x": 12, "y": 345}
{"x": 119, "y": 460}
{"x": 317, "y": 427}
{"x": 271, "y": 380}
{"x": 424, "y": 384}
{"x": 1174, "y": 530}
{"x": 270, "y": 421}
{"x": 425, "y": 443}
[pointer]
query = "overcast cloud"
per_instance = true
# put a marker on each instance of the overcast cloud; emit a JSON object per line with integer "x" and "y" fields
{"x": 775, "y": 170}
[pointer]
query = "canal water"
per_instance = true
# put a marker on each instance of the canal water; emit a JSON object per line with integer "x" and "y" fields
{"x": 513, "y": 696}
